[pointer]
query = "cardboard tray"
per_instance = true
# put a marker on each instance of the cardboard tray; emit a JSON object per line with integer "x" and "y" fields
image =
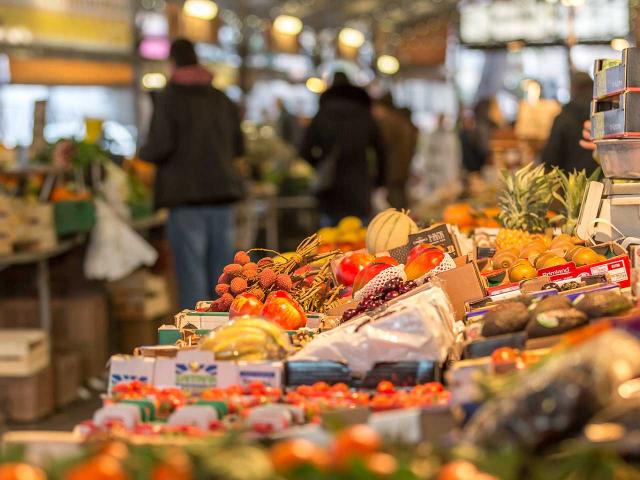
{"x": 307, "y": 373}
{"x": 486, "y": 346}
{"x": 614, "y": 80}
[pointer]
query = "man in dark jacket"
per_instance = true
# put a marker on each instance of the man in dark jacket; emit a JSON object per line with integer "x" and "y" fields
{"x": 344, "y": 144}
{"x": 563, "y": 149}
{"x": 193, "y": 138}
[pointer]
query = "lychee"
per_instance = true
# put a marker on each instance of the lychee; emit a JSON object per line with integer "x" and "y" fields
{"x": 215, "y": 306}
{"x": 283, "y": 282}
{"x": 238, "y": 285}
{"x": 224, "y": 278}
{"x": 222, "y": 288}
{"x": 251, "y": 274}
{"x": 265, "y": 262}
{"x": 233, "y": 269}
{"x": 225, "y": 302}
{"x": 267, "y": 278}
{"x": 259, "y": 293}
{"x": 249, "y": 266}
{"x": 241, "y": 258}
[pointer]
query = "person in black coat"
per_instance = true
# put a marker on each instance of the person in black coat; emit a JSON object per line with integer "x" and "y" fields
{"x": 193, "y": 138}
{"x": 563, "y": 147}
{"x": 344, "y": 144}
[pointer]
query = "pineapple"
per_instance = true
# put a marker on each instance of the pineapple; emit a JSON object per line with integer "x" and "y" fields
{"x": 524, "y": 199}
{"x": 569, "y": 197}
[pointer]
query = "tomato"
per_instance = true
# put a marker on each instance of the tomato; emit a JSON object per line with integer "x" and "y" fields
{"x": 281, "y": 309}
{"x": 117, "y": 450}
{"x": 354, "y": 442}
{"x": 504, "y": 355}
{"x": 351, "y": 265}
{"x": 382, "y": 402}
{"x": 292, "y": 454}
{"x": 21, "y": 471}
{"x": 386, "y": 387}
{"x": 340, "y": 387}
{"x": 245, "y": 304}
{"x": 101, "y": 467}
{"x": 381, "y": 464}
{"x": 321, "y": 387}
{"x": 432, "y": 387}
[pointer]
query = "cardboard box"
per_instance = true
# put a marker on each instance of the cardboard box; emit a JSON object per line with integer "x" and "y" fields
{"x": 27, "y": 399}
{"x": 67, "y": 371}
{"x": 23, "y": 352}
{"x": 197, "y": 370}
{"x": 462, "y": 284}
{"x": 126, "y": 368}
{"x": 269, "y": 373}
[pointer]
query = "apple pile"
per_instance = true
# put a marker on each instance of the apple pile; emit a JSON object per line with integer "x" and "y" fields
{"x": 390, "y": 290}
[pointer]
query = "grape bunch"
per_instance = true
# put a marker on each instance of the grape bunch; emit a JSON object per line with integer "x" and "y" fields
{"x": 390, "y": 290}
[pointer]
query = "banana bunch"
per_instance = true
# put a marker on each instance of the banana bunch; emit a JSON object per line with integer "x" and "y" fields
{"x": 249, "y": 339}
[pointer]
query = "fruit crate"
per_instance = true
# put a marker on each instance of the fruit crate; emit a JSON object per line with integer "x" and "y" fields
{"x": 74, "y": 216}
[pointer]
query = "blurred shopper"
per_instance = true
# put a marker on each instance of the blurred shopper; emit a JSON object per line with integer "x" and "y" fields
{"x": 474, "y": 156}
{"x": 438, "y": 158}
{"x": 400, "y": 137}
{"x": 563, "y": 147}
{"x": 193, "y": 138}
{"x": 344, "y": 144}
{"x": 287, "y": 124}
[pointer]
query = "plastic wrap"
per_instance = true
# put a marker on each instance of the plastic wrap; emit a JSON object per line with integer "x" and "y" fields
{"x": 555, "y": 400}
{"x": 419, "y": 327}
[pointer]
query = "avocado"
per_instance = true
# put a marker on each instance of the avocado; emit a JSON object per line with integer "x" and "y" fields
{"x": 602, "y": 304}
{"x": 508, "y": 317}
{"x": 554, "y": 302}
{"x": 555, "y": 322}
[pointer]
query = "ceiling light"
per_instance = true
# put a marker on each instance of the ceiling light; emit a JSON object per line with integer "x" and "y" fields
{"x": 204, "y": 9}
{"x": 153, "y": 81}
{"x": 388, "y": 64}
{"x": 619, "y": 44}
{"x": 350, "y": 37}
{"x": 287, "y": 24}
{"x": 316, "y": 85}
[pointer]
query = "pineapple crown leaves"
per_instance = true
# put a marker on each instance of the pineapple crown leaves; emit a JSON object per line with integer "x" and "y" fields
{"x": 525, "y": 196}
{"x": 569, "y": 194}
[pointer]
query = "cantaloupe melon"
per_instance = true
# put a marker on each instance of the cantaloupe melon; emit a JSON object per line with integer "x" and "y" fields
{"x": 389, "y": 229}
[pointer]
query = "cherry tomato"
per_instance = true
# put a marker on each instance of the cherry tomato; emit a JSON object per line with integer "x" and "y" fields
{"x": 504, "y": 355}
{"x": 386, "y": 387}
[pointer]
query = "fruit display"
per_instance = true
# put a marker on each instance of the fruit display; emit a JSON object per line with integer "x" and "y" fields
{"x": 309, "y": 286}
{"x": 248, "y": 338}
{"x": 391, "y": 289}
{"x": 524, "y": 201}
{"x": 351, "y": 265}
{"x": 388, "y": 230}
{"x": 347, "y": 236}
{"x": 422, "y": 259}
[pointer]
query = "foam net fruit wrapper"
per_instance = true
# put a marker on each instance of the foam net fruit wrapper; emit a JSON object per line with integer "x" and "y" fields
{"x": 380, "y": 280}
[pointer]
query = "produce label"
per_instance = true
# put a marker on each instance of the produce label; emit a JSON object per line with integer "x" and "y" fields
{"x": 196, "y": 376}
{"x": 559, "y": 271}
{"x": 438, "y": 235}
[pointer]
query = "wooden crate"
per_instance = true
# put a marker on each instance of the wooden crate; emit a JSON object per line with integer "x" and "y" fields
{"x": 142, "y": 296}
{"x": 27, "y": 399}
{"x": 79, "y": 323}
{"x": 67, "y": 370}
{"x": 23, "y": 352}
{"x": 132, "y": 335}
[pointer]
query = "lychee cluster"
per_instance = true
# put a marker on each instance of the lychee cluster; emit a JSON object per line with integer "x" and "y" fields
{"x": 243, "y": 275}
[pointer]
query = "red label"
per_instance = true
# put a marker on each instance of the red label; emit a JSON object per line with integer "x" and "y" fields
{"x": 558, "y": 270}
{"x": 618, "y": 268}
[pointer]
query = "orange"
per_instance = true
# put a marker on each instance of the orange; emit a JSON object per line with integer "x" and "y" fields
{"x": 460, "y": 214}
{"x": 175, "y": 466}
{"x": 584, "y": 256}
{"x": 522, "y": 270}
{"x": 21, "y": 471}
{"x": 101, "y": 467}
{"x": 381, "y": 464}
{"x": 292, "y": 454}
{"x": 458, "y": 470}
{"x": 354, "y": 442}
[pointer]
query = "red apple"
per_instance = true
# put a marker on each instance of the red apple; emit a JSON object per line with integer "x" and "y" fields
{"x": 367, "y": 273}
{"x": 424, "y": 263}
{"x": 281, "y": 309}
{"x": 351, "y": 265}
{"x": 387, "y": 259}
{"x": 245, "y": 304}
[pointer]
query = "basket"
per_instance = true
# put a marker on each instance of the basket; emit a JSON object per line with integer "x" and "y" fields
{"x": 74, "y": 216}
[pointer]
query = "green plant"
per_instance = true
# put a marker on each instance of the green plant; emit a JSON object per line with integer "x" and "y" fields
{"x": 569, "y": 195}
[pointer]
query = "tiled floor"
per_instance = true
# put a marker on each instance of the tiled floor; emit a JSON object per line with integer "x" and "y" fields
{"x": 62, "y": 420}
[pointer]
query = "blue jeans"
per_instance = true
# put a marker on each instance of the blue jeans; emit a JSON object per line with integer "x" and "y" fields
{"x": 202, "y": 242}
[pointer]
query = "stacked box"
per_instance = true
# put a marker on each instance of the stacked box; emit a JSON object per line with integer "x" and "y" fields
{"x": 35, "y": 226}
